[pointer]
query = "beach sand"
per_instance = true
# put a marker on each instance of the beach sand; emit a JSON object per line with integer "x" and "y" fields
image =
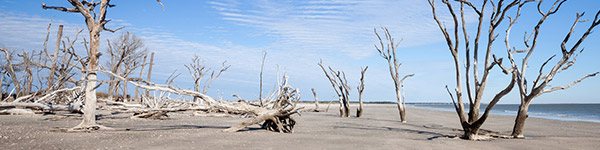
{"x": 379, "y": 128}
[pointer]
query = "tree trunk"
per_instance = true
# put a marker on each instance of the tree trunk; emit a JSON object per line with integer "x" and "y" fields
{"x": 89, "y": 110}
{"x": 401, "y": 108}
{"x": 150, "y": 72}
{"x": 520, "y": 120}
{"x": 347, "y": 108}
{"x": 1, "y": 82}
{"x": 316, "y": 99}
{"x": 470, "y": 132}
{"x": 341, "y": 107}
{"x": 125, "y": 98}
{"x": 135, "y": 97}
{"x": 474, "y": 111}
{"x": 53, "y": 68}
{"x": 402, "y": 112}
{"x": 359, "y": 111}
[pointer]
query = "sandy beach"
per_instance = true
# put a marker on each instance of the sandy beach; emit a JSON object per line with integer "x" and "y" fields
{"x": 380, "y": 128}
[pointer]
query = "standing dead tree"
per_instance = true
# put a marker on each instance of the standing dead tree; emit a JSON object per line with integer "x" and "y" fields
{"x": 125, "y": 54}
{"x": 137, "y": 89}
{"x": 541, "y": 83}
{"x": 197, "y": 70}
{"x": 340, "y": 85}
{"x": 95, "y": 21}
{"x": 388, "y": 52}
{"x": 316, "y": 99}
{"x": 475, "y": 89}
{"x": 361, "y": 88}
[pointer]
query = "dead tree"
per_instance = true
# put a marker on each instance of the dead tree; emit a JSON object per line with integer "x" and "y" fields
{"x": 541, "y": 83}
{"x": 197, "y": 70}
{"x": 135, "y": 97}
{"x": 388, "y": 52}
{"x": 262, "y": 67}
{"x": 475, "y": 85}
{"x": 150, "y": 71}
{"x": 10, "y": 70}
{"x": 361, "y": 88}
{"x": 340, "y": 85}
{"x": 55, "y": 57}
{"x": 125, "y": 54}
{"x": 95, "y": 22}
{"x": 316, "y": 99}
{"x": 275, "y": 115}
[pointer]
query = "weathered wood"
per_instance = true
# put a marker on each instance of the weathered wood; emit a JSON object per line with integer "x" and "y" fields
{"x": 341, "y": 88}
{"x": 150, "y": 71}
{"x": 541, "y": 83}
{"x": 135, "y": 97}
{"x": 389, "y": 54}
{"x": 476, "y": 85}
{"x": 55, "y": 57}
{"x": 316, "y": 99}
{"x": 361, "y": 88}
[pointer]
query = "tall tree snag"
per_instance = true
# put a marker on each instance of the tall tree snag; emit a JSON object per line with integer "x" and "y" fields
{"x": 361, "y": 88}
{"x": 340, "y": 85}
{"x": 541, "y": 83}
{"x": 388, "y": 52}
{"x": 475, "y": 85}
{"x": 125, "y": 53}
{"x": 95, "y": 22}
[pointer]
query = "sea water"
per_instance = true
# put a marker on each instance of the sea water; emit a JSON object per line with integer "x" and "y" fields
{"x": 564, "y": 112}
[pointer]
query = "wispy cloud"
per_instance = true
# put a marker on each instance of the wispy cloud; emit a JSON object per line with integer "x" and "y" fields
{"x": 334, "y": 26}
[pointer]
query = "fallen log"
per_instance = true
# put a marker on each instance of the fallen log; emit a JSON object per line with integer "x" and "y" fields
{"x": 276, "y": 116}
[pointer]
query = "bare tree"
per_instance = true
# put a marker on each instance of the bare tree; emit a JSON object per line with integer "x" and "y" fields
{"x": 11, "y": 70}
{"x": 125, "y": 54}
{"x": 541, "y": 83}
{"x": 197, "y": 70}
{"x": 340, "y": 85}
{"x": 135, "y": 97}
{"x": 150, "y": 71}
{"x": 55, "y": 56}
{"x": 262, "y": 66}
{"x": 388, "y": 52}
{"x": 477, "y": 87}
{"x": 95, "y": 22}
{"x": 361, "y": 88}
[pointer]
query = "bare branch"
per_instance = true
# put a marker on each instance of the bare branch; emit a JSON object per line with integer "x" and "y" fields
{"x": 568, "y": 86}
{"x": 60, "y": 8}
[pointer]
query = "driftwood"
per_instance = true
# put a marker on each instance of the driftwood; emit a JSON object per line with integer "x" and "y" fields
{"x": 276, "y": 115}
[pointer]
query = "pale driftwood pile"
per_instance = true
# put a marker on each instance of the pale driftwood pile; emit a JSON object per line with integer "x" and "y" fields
{"x": 275, "y": 113}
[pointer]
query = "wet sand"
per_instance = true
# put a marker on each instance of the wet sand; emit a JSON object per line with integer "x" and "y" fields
{"x": 379, "y": 128}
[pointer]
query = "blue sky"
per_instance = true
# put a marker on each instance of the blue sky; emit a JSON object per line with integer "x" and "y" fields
{"x": 297, "y": 34}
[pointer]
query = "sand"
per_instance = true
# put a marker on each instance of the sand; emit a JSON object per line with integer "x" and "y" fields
{"x": 379, "y": 128}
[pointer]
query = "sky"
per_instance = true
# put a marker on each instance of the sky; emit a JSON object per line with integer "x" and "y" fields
{"x": 298, "y": 34}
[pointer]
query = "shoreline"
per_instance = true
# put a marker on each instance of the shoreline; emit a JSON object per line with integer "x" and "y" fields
{"x": 379, "y": 128}
{"x": 532, "y": 113}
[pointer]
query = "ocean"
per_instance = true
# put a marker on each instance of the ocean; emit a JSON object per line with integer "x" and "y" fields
{"x": 564, "y": 112}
